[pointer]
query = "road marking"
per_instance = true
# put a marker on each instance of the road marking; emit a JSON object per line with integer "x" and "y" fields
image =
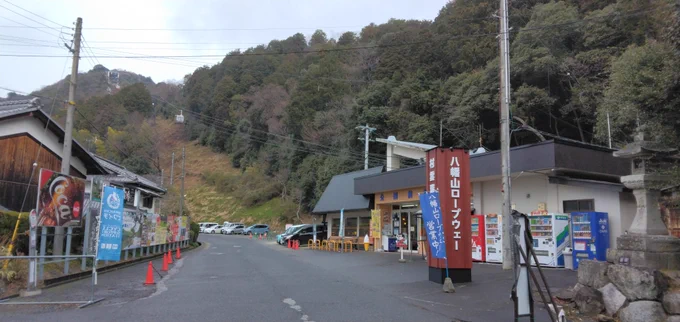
{"x": 237, "y": 246}
{"x": 160, "y": 286}
{"x": 293, "y": 305}
{"x": 216, "y": 253}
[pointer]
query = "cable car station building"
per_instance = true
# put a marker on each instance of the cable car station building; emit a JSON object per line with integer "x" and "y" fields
{"x": 563, "y": 176}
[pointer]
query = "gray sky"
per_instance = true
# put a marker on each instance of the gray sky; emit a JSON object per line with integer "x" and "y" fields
{"x": 266, "y": 20}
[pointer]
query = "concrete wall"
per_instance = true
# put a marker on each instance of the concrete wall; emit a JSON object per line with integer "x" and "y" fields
{"x": 32, "y": 126}
{"x": 530, "y": 190}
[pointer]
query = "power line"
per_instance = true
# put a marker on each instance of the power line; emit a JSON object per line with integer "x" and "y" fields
{"x": 35, "y": 14}
{"x": 32, "y": 27}
{"x": 31, "y": 19}
{"x": 355, "y": 154}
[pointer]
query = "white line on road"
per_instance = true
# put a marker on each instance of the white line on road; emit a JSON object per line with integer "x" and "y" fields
{"x": 160, "y": 286}
{"x": 293, "y": 305}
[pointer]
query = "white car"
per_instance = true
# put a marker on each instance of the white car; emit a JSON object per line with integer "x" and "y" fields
{"x": 206, "y": 225}
{"x": 213, "y": 229}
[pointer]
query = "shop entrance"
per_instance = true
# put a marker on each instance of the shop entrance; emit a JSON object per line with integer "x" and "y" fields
{"x": 406, "y": 222}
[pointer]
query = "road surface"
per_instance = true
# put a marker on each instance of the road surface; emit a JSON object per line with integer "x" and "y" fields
{"x": 233, "y": 278}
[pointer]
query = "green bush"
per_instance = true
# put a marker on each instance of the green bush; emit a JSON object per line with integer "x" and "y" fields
{"x": 193, "y": 232}
{"x": 8, "y": 221}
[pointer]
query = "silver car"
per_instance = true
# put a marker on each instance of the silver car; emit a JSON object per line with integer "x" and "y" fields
{"x": 233, "y": 230}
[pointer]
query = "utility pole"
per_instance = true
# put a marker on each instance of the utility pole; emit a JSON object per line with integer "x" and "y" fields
{"x": 181, "y": 197}
{"x": 68, "y": 131}
{"x": 367, "y": 134}
{"x": 609, "y": 130}
{"x": 506, "y": 211}
{"x": 172, "y": 168}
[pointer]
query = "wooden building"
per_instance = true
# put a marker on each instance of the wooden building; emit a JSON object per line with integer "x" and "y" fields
{"x": 27, "y": 136}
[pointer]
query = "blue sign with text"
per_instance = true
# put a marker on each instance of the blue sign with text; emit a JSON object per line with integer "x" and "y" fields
{"x": 111, "y": 225}
{"x": 434, "y": 227}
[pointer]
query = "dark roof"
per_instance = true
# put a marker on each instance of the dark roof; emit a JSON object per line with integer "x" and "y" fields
{"x": 122, "y": 175}
{"x": 33, "y": 107}
{"x": 9, "y": 108}
{"x": 339, "y": 193}
{"x": 581, "y": 160}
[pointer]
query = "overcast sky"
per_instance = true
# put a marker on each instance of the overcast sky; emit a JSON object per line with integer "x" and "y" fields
{"x": 267, "y": 20}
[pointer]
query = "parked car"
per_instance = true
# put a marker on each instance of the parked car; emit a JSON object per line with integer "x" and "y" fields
{"x": 290, "y": 230}
{"x": 205, "y": 225}
{"x": 213, "y": 229}
{"x": 256, "y": 229}
{"x": 233, "y": 229}
{"x": 306, "y": 233}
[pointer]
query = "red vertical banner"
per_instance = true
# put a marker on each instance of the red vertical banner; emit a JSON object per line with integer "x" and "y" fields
{"x": 448, "y": 171}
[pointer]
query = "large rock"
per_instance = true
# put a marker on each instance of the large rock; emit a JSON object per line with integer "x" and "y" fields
{"x": 671, "y": 302}
{"x": 673, "y": 318}
{"x": 643, "y": 311}
{"x": 634, "y": 283}
{"x": 593, "y": 273}
{"x": 613, "y": 299}
{"x": 566, "y": 294}
{"x": 589, "y": 300}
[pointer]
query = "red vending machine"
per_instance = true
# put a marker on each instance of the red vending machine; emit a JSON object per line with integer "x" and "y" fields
{"x": 478, "y": 238}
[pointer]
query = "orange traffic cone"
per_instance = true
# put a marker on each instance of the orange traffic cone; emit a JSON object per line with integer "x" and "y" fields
{"x": 259, "y": 236}
{"x": 250, "y": 235}
{"x": 178, "y": 255}
{"x": 169, "y": 257}
{"x": 149, "y": 275}
{"x": 289, "y": 243}
{"x": 165, "y": 263}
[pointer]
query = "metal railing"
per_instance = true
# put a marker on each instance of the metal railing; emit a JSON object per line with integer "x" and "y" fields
{"x": 33, "y": 279}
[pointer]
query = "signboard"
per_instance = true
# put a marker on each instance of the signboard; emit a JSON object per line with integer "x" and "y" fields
{"x": 148, "y": 229}
{"x": 448, "y": 172}
{"x": 111, "y": 225}
{"x": 434, "y": 225}
{"x": 132, "y": 229}
{"x": 375, "y": 223}
{"x": 60, "y": 199}
{"x": 161, "y": 230}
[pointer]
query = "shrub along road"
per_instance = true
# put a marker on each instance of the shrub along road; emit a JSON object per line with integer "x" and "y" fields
{"x": 232, "y": 278}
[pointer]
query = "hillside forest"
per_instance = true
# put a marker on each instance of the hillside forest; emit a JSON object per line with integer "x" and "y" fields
{"x": 286, "y": 112}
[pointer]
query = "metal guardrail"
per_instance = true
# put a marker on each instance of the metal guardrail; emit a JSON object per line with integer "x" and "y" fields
{"x": 33, "y": 278}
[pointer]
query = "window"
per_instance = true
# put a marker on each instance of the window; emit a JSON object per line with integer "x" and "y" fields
{"x": 335, "y": 231}
{"x": 351, "y": 227}
{"x": 147, "y": 202}
{"x": 364, "y": 226}
{"x": 581, "y": 205}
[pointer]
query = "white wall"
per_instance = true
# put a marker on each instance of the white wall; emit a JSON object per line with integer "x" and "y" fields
{"x": 32, "y": 126}
{"x": 530, "y": 190}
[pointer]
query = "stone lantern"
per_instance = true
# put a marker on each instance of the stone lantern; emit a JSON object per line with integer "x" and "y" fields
{"x": 647, "y": 243}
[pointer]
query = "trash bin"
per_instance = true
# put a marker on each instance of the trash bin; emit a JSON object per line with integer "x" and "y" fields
{"x": 568, "y": 260}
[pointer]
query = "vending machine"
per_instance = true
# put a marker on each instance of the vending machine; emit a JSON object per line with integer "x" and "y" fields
{"x": 590, "y": 238}
{"x": 494, "y": 238}
{"x": 478, "y": 240}
{"x": 551, "y": 236}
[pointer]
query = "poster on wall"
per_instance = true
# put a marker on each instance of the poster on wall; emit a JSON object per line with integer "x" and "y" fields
{"x": 132, "y": 229}
{"x": 173, "y": 229}
{"x": 184, "y": 228}
{"x": 161, "y": 230}
{"x": 111, "y": 225}
{"x": 376, "y": 219}
{"x": 148, "y": 229}
{"x": 60, "y": 199}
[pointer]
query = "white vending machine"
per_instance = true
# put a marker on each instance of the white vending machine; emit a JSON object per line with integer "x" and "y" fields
{"x": 494, "y": 238}
{"x": 550, "y": 232}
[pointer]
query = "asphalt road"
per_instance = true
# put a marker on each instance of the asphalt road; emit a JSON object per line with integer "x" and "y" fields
{"x": 232, "y": 278}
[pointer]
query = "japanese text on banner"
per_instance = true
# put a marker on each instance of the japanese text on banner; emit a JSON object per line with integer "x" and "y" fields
{"x": 432, "y": 217}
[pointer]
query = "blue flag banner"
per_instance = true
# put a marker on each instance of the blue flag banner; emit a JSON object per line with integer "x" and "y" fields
{"x": 434, "y": 226}
{"x": 111, "y": 224}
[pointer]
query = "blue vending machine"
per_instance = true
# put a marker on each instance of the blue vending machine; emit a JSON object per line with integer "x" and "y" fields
{"x": 590, "y": 236}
